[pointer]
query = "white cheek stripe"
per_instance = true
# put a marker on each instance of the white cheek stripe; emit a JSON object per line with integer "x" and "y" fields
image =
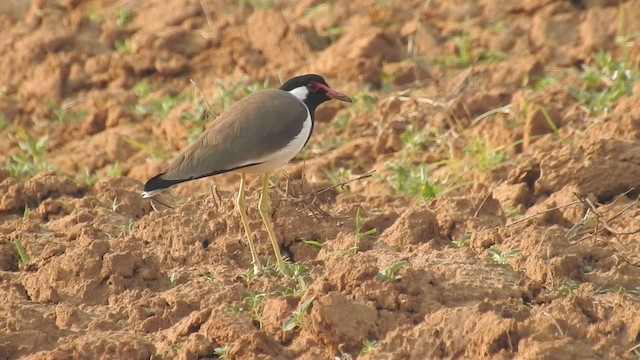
{"x": 300, "y": 92}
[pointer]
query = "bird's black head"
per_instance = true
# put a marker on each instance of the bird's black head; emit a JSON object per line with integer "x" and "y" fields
{"x": 313, "y": 90}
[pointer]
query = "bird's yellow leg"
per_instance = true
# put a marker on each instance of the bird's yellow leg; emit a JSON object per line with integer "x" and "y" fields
{"x": 263, "y": 208}
{"x": 242, "y": 208}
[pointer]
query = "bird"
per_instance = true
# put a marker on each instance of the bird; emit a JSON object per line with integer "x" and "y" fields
{"x": 256, "y": 135}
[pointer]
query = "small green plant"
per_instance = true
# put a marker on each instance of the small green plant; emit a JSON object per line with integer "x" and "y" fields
{"x": 483, "y": 157}
{"x": 387, "y": 80}
{"x": 295, "y": 320}
{"x": 414, "y": 181}
{"x": 113, "y": 170}
{"x": 126, "y": 229}
{"x": 142, "y": 89}
{"x": 198, "y": 119}
{"x": 359, "y": 234}
{"x": 389, "y": 274}
{"x": 341, "y": 122}
{"x": 335, "y": 32}
{"x": 338, "y": 176}
{"x": 3, "y": 121}
{"x": 499, "y": 27}
{"x": 122, "y": 46}
{"x": 26, "y": 212}
{"x": 124, "y": 14}
{"x": 313, "y": 243}
{"x": 286, "y": 292}
{"x": 209, "y": 276}
{"x": 252, "y": 301}
{"x": 198, "y": 114}
{"x": 634, "y": 291}
{"x": 272, "y": 266}
{"x": 22, "y": 254}
{"x": 249, "y": 275}
{"x": 62, "y": 113}
{"x": 413, "y": 140}
{"x": 568, "y": 287}
{"x": 299, "y": 273}
{"x": 604, "y": 82}
{"x": 173, "y": 279}
{"x": 296, "y": 269}
{"x": 254, "y": 4}
{"x": 303, "y": 154}
{"x": 327, "y": 144}
{"x": 151, "y": 102}
{"x": 609, "y": 290}
{"x": 544, "y": 82}
{"x": 177, "y": 346}
{"x": 220, "y": 352}
{"x": 93, "y": 15}
{"x": 227, "y": 95}
{"x": 463, "y": 56}
{"x": 511, "y": 213}
{"x": 368, "y": 347}
{"x": 153, "y": 151}
{"x": 234, "y": 309}
{"x": 499, "y": 258}
{"x": 363, "y": 100}
{"x": 466, "y": 54}
{"x": 87, "y": 177}
{"x": 333, "y": 29}
{"x": 457, "y": 244}
{"x": 30, "y": 160}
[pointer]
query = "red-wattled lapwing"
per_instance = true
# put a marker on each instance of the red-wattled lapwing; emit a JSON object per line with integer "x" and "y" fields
{"x": 257, "y": 135}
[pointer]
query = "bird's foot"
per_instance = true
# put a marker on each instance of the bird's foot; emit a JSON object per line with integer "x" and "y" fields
{"x": 258, "y": 269}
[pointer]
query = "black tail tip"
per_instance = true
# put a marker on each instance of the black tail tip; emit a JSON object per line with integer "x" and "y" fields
{"x": 156, "y": 184}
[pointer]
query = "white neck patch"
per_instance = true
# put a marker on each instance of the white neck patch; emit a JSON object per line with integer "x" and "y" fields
{"x": 300, "y": 92}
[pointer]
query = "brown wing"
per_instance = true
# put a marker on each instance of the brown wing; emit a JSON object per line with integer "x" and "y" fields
{"x": 258, "y": 125}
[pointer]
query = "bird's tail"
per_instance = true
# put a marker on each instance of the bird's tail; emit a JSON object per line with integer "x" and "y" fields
{"x": 157, "y": 184}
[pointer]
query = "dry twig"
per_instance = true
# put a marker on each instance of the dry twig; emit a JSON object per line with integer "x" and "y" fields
{"x": 342, "y": 184}
{"x": 309, "y": 200}
{"x": 202, "y": 95}
{"x": 543, "y": 212}
{"x": 605, "y": 222}
{"x": 486, "y": 198}
{"x": 161, "y": 203}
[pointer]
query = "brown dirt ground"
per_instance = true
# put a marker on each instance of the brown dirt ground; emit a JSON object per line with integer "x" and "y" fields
{"x": 109, "y": 277}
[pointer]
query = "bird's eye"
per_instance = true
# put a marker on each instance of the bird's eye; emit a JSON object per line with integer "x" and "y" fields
{"x": 312, "y": 87}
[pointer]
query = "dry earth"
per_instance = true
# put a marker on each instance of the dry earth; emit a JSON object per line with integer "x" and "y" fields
{"x": 501, "y": 109}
